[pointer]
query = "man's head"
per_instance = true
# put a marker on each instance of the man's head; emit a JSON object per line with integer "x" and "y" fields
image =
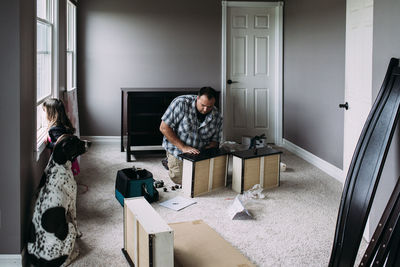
{"x": 205, "y": 100}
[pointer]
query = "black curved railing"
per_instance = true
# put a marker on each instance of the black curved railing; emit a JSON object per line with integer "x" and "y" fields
{"x": 365, "y": 170}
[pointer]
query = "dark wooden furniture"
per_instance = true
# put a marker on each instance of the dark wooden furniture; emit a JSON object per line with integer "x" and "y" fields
{"x": 141, "y": 112}
{"x": 362, "y": 181}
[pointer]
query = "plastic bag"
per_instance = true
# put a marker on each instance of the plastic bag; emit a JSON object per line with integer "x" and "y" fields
{"x": 232, "y": 146}
{"x": 254, "y": 193}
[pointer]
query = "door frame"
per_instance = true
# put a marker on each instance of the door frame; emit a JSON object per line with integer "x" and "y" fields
{"x": 278, "y": 60}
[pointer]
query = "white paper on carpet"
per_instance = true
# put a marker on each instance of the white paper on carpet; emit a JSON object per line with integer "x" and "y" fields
{"x": 177, "y": 203}
{"x": 237, "y": 211}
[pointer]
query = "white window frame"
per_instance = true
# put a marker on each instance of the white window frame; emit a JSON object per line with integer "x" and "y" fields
{"x": 52, "y": 14}
{"x": 71, "y": 44}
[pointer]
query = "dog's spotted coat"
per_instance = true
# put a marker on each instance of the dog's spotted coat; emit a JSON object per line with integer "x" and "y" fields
{"x": 54, "y": 227}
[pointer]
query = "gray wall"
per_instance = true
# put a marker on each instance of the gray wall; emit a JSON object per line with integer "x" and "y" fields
{"x": 166, "y": 44}
{"x": 314, "y": 60}
{"x": 386, "y": 45}
{"x": 10, "y": 121}
{"x": 21, "y": 171}
{"x": 136, "y": 43}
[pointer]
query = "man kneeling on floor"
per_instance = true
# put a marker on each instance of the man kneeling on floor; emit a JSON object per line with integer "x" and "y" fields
{"x": 190, "y": 123}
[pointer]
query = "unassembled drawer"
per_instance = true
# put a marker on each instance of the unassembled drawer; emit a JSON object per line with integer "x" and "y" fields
{"x": 148, "y": 240}
{"x": 255, "y": 166}
{"x": 204, "y": 173}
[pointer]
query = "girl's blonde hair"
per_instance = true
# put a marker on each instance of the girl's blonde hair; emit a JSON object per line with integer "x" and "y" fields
{"x": 56, "y": 115}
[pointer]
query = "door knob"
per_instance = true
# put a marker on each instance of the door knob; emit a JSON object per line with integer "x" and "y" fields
{"x": 230, "y": 81}
{"x": 345, "y": 106}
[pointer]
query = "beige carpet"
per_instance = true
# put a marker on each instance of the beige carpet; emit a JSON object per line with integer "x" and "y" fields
{"x": 293, "y": 226}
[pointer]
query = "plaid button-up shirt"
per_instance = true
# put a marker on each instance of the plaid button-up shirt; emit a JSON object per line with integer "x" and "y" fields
{"x": 181, "y": 116}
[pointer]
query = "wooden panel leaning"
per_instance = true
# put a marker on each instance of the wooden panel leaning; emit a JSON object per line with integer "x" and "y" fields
{"x": 148, "y": 240}
{"x": 204, "y": 172}
{"x": 255, "y": 166}
{"x": 198, "y": 245}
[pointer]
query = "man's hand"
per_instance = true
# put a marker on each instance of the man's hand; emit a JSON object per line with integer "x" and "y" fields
{"x": 190, "y": 150}
{"x": 173, "y": 139}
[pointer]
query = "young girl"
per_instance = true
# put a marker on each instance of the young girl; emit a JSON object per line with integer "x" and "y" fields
{"x": 58, "y": 124}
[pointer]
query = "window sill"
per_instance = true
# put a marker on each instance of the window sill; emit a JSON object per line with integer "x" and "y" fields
{"x": 40, "y": 148}
{"x": 41, "y": 143}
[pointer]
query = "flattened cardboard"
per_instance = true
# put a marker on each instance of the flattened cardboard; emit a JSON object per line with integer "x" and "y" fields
{"x": 197, "y": 245}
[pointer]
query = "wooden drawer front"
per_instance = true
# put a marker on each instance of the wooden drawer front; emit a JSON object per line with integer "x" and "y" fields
{"x": 271, "y": 171}
{"x": 148, "y": 240}
{"x": 203, "y": 176}
{"x": 259, "y": 170}
{"x": 251, "y": 173}
{"x": 219, "y": 172}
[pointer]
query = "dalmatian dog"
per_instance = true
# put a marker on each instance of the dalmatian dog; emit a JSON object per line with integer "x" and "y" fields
{"x": 53, "y": 229}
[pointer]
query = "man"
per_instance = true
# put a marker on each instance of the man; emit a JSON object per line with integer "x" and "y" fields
{"x": 190, "y": 123}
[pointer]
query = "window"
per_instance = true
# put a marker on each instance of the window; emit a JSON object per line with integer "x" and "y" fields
{"x": 71, "y": 45}
{"x": 45, "y": 64}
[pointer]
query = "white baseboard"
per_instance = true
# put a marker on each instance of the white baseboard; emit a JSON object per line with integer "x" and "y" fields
{"x": 10, "y": 260}
{"x": 325, "y": 166}
{"x": 102, "y": 139}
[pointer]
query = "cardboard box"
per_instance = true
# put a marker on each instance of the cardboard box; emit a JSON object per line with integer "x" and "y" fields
{"x": 198, "y": 245}
{"x": 148, "y": 240}
{"x": 204, "y": 172}
{"x": 255, "y": 166}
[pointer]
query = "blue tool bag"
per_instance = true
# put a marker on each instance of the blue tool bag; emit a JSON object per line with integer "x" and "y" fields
{"x": 135, "y": 182}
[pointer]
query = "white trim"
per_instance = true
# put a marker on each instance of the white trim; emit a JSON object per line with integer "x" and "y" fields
{"x": 210, "y": 174}
{"x": 40, "y": 146}
{"x": 55, "y": 70}
{"x": 279, "y": 73}
{"x": 10, "y": 260}
{"x": 278, "y": 59}
{"x": 262, "y": 165}
{"x": 135, "y": 240}
{"x": 252, "y": 4}
{"x": 223, "y": 64}
{"x": 226, "y": 168}
{"x": 102, "y": 139}
{"x": 325, "y": 166}
{"x": 140, "y": 148}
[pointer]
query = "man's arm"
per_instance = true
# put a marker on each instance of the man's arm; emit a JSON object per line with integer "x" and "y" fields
{"x": 217, "y": 136}
{"x": 173, "y": 139}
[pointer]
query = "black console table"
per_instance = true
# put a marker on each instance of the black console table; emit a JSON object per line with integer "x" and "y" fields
{"x": 141, "y": 112}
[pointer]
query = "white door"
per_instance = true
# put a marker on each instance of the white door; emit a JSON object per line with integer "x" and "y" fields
{"x": 358, "y": 77}
{"x": 250, "y": 65}
{"x": 358, "y": 73}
